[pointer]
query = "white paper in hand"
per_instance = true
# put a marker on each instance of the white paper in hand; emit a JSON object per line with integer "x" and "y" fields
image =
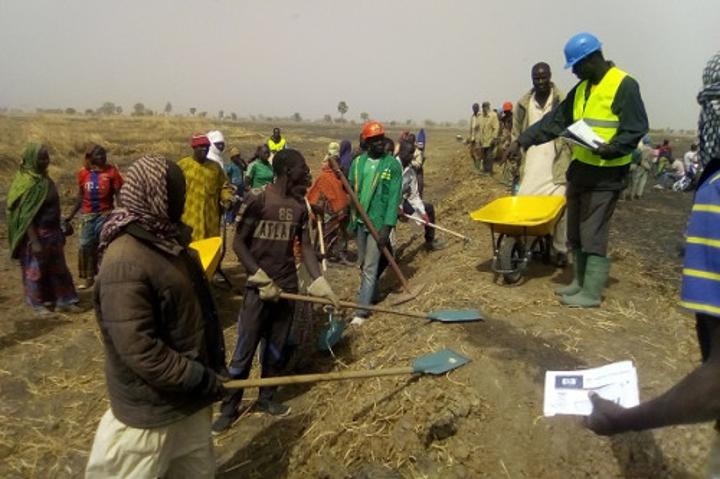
{"x": 583, "y": 135}
{"x": 566, "y": 392}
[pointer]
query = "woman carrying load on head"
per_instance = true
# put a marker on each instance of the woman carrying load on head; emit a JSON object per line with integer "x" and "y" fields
{"x": 98, "y": 188}
{"x": 36, "y": 236}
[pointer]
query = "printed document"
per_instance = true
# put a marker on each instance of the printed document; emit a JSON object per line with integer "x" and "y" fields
{"x": 581, "y": 134}
{"x": 566, "y": 392}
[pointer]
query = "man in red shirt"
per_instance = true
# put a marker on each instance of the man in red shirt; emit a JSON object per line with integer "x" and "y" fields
{"x": 99, "y": 185}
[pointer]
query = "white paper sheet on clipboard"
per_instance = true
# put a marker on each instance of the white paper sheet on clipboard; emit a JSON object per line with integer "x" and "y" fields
{"x": 581, "y": 134}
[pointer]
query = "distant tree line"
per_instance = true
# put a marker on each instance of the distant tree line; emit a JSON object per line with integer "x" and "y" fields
{"x": 109, "y": 108}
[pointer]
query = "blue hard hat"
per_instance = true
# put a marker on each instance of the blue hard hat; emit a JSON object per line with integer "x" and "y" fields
{"x": 580, "y": 46}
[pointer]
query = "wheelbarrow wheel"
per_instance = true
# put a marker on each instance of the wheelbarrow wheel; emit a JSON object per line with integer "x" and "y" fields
{"x": 511, "y": 254}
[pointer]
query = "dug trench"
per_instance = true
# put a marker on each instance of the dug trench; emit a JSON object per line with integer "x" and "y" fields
{"x": 482, "y": 420}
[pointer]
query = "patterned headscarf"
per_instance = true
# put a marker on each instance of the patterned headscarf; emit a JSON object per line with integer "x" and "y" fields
{"x": 709, "y": 123}
{"x": 144, "y": 200}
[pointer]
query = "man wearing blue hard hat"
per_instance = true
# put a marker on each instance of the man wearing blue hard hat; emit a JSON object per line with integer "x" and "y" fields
{"x": 608, "y": 100}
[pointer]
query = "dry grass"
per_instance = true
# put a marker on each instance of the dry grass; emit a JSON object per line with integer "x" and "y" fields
{"x": 346, "y": 427}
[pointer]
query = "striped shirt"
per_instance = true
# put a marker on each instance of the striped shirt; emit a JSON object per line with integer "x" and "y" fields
{"x": 99, "y": 188}
{"x": 701, "y": 272}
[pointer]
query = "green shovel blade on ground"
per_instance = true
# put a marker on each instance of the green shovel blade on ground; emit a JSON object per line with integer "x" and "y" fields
{"x": 439, "y": 362}
{"x": 332, "y": 333}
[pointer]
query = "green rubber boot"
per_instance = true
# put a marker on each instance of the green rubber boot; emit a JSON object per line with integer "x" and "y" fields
{"x": 578, "y": 275}
{"x": 597, "y": 270}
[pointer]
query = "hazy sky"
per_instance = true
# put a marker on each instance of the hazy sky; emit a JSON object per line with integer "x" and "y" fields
{"x": 395, "y": 59}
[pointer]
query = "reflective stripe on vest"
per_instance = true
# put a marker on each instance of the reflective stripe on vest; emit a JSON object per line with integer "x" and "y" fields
{"x": 275, "y": 147}
{"x": 597, "y": 113}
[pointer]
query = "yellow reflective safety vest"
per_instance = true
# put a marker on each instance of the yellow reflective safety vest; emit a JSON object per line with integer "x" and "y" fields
{"x": 275, "y": 147}
{"x": 597, "y": 113}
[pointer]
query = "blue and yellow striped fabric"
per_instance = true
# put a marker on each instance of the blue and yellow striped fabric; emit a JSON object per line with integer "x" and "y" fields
{"x": 701, "y": 272}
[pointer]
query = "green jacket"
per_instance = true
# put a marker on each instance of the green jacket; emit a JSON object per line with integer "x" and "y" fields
{"x": 387, "y": 190}
{"x": 521, "y": 123}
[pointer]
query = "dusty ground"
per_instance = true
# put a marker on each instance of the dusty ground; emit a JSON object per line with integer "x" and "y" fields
{"x": 483, "y": 420}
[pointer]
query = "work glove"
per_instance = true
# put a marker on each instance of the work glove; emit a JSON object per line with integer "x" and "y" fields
{"x": 320, "y": 288}
{"x": 425, "y": 217}
{"x": 269, "y": 291}
{"x": 211, "y": 386}
{"x": 384, "y": 237}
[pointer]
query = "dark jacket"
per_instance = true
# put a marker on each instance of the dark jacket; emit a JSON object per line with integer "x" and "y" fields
{"x": 160, "y": 330}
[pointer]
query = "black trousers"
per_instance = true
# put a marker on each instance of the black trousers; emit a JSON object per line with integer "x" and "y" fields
{"x": 259, "y": 321}
{"x": 588, "y": 218}
{"x": 430, "y": 210}
{"x": 488, "y": 158}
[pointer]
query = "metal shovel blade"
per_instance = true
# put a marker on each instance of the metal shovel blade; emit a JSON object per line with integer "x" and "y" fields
{"x": 331, "y": 335}
{"x": 439, "y": 362}
{"x": 455, "y": 316}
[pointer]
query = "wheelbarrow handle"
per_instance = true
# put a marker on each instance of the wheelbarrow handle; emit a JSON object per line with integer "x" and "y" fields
{"x": 347, "y": 304}
{"x": 314, "y": 378}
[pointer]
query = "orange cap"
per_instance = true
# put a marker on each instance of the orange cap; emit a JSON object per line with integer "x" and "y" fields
{"x": 507, "y": 106}
{"x": 371, "y": 129}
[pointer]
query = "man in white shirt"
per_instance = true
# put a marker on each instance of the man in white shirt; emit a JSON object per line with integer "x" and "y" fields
{"x": 412, "y": 204}
{"x": 544, "y": 166}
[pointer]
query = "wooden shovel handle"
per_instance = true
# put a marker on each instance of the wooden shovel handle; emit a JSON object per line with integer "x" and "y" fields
{"x": 347, "y": 304}
{"x": 369, "y": 225}
{"x": 321, "y": 238}
{"x": 437, "y": 227}
{"x": 314, "y": 378}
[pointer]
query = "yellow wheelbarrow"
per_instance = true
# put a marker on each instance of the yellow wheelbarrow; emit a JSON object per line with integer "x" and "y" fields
{"x": 210, "y": 252}
{"x": 520, "y": 226}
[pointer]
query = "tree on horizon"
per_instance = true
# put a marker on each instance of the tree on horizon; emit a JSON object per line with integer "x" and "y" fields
{"x": 342, "y": 108}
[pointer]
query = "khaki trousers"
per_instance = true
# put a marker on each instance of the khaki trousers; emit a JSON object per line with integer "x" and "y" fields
{"x": 182, "y": 449}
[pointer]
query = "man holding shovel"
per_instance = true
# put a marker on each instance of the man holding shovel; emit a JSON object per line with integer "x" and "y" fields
{"x": 270, "y": 221}
{"x": 376, "y": 179}
{"x": 412, "y": 204}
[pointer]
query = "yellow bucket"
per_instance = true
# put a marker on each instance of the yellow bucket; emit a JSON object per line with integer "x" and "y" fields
{"x": 209, "y": 251}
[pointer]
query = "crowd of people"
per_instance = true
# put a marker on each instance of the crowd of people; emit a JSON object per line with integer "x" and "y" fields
{"x": 154, "y": 306}
{"x": 165, "y": 352}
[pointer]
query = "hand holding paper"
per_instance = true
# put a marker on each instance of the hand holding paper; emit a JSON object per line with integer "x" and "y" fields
{"x": 606, "y": 416}
{"x": 566, "y": 392}
{"x": 581, "y": 134}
